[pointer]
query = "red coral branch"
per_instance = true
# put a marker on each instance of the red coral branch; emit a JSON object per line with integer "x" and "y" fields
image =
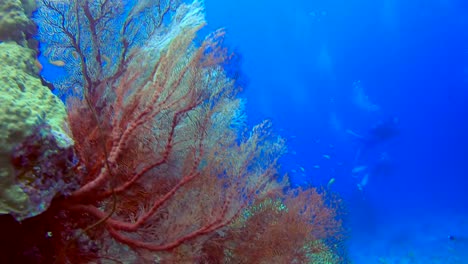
{"x": 160, "y": 164}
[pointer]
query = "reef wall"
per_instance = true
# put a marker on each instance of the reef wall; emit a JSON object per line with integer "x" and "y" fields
{"x": 35, "y": 150}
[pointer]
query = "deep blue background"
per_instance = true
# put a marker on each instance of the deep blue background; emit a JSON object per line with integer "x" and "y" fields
{"x": 411, "y": 57}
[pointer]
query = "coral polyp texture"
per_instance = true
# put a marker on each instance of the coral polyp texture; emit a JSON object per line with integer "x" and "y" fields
{"x": 163, "y": 168}
{"x": 23, "y": 101}
{"x": 14, "y": 19}
{"x": 25, "y": 105}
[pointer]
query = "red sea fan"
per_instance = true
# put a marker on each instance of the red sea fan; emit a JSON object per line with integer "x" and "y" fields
{"x": 167, "y": 171}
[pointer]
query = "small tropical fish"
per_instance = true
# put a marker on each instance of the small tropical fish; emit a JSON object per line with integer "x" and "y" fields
{"x": 302, "y": 169}
{"x": 330, "y": 182}
{"x": 326, "y": 156}
{"x": 58, "y": 63}
{"x": 359, "y": 169}
{"x": 38, "y": 64}
{"x": 363, "y": 182}
{"x": 75, "y": 54}
{"x": 316, "y": 166}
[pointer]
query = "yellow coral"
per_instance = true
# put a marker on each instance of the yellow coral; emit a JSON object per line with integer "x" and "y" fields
{"x": 24, "y": 100}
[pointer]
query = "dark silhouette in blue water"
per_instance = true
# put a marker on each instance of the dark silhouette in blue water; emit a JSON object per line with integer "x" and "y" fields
{"x": 369, "y": 161}
{"x": 380, "y": 132}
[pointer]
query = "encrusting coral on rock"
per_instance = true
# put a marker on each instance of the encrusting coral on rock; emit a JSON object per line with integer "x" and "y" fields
{"x": 32, "y": 122}
{"x": 14, "y": 19}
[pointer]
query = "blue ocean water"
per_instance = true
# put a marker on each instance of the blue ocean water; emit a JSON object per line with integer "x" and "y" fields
{"x": 330, "y": 74}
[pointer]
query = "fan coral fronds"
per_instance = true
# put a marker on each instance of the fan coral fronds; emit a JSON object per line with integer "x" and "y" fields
{"x": 168, "y": 171}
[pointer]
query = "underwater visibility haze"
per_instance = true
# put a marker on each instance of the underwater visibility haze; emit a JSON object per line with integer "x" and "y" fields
{"x": 372, "y": 98}
{"x": 234, "y": 131}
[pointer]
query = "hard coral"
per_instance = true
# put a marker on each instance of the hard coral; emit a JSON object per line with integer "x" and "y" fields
{"x": 24, "y": 100}
{"x": 43, "y": 168}
{"x": 14, "y": 21}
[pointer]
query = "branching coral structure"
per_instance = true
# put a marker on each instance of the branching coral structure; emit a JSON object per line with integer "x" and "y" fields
{"x": 167, "y": 169}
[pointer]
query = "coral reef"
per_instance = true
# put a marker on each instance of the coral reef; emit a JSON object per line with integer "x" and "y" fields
{"x": 164, "y": 167}
{"x": 26, "y": 106}
{"x": 43, "y": 168}
{"x": 15, "y": 23}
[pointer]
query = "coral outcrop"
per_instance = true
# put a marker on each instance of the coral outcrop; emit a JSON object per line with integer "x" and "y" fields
{"x": 14, "y": 19}
{"x": 32, "y": 122}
